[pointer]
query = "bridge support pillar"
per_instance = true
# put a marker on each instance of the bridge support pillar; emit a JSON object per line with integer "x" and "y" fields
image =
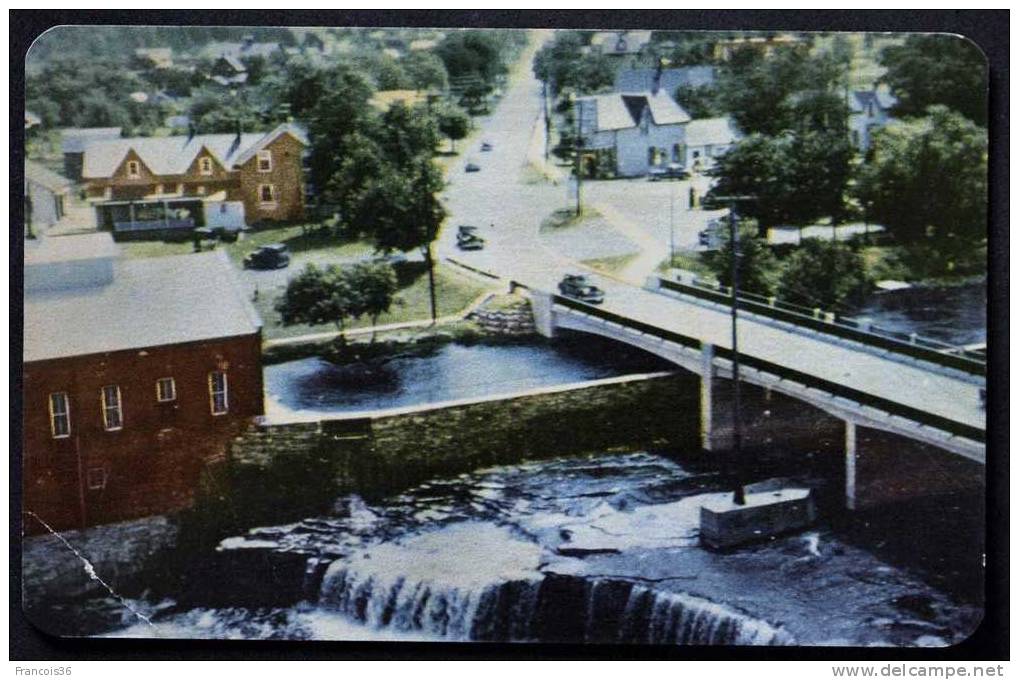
{"x": 851, "y": 465}
{"x": 541, "y": 308}
{"x": 707, "y": 394}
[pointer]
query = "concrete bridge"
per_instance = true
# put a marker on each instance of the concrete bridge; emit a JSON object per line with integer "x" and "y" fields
{"x": 929, "y": 397}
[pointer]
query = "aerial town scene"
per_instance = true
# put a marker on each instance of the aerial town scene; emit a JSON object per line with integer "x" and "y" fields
{"x": 505, "y": 335}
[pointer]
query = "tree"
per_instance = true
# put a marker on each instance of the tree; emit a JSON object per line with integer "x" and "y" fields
{"x": 758, "y": 267}
{"x": 934, "y": 69}
{"x": 406, "y": 134}
{"x": 563, "y": 65}
{"x": 699, "y": 101}
{"x": 824, "y": 274}
{"x": 472, "y": 53}
{"x": 425, "y": 71}
{"x": 320, "y": 296}
{"x": 454, "y": 123}
{"x": 376, "y": 287}
{"x": 927, "y": 184}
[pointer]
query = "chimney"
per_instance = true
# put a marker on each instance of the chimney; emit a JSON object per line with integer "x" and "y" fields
{"x": 191, "y": 130}
{"x": 248, "y": 40}
{"x": 237, "y": 128}
{"x": 657, "y": 82}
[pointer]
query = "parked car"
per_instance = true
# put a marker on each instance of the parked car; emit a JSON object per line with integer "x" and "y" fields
{"x": 467, "y": 238}
{"x": 272, "y": 256}
{"x": 670, "y": 171}
{"x": 472, "y": 167}
{"x": 486, "y": 146}
{"x": 712, "y": 237}
{"x": 579, "y": 287}
{"x": 390, "y": 259}
{"x": 466, "y": 230}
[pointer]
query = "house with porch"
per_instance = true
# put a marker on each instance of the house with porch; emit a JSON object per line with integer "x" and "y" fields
{"x": 138, "y": 373}
{"x": 161, "y": 187}
{"x": 628, "y": 134}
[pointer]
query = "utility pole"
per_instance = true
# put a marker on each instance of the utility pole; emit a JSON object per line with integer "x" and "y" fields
{"x": 576, "y": 148}
{"x": 738, "y": 493}
{"x": 672, "y": 226}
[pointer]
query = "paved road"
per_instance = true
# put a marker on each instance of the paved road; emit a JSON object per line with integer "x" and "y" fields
{"x": 495, "y": 196}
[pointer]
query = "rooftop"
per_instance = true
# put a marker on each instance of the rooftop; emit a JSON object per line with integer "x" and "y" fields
{"x": 150, "y": 302}
{"x": 43, "y": 176}
{"x": 711, "y": 131}
{"x": 619, "y": 111}
{"x": 73, "y": 140}
{"x": 69, "y": 248}
{"x": 641, "y": 79}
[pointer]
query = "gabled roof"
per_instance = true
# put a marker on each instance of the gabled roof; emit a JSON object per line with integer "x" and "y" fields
{"x": 165, "y": 155}
{"x": 292, "y": 129}
{"x": 711, "y": 131}
{"x": 859, "y": 99}
{"x": 624, "y": 110}
{"x": 150, "y": 302}
{"x": 642, "y": 79}
{"x": 43, "y": 176}
{"x": 233, "y": 62}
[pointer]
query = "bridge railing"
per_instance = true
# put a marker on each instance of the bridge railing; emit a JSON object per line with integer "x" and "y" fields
{"x": 918, "y": 347}
{"x": 891, "y": 407}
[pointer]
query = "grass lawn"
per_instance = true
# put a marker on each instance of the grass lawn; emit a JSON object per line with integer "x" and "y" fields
{"x": 691, "y": 261}
{"x": 453, "y": 293}
{"x": 611, "y": 265}
{"x": 299, "y": 238}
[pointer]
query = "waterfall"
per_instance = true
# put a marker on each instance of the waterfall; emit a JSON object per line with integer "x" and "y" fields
{"x": 550, "y": 608}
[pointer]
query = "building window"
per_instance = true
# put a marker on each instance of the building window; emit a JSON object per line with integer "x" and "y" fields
{"x": 108, "y": 193}
{"x": 159, "y": 188}
{"x": 166, "y": 390}
{"x": 132, "y": 169}
{"x": 217, "y": 392}
{"x": 267, "y": 193}
{"x": 205, "y": 165}
{"x": 265, "y": 161}
{"x": 112, "y": 417}
{"x": 200, "y": 190}
{"x": 60, "y": 415}
{"x": 96, "y": 478}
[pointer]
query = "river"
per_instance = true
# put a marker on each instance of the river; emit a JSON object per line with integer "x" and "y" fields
{"x": 599, "y": 548}
{"x": 953, "y": 314}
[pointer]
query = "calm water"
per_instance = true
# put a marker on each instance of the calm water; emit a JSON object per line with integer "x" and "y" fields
{"x": 957, "y": 315}
{"x": 453, "y": 371}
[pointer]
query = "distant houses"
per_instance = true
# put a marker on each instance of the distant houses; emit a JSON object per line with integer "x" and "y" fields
{"x": 868, "y": 111}
{"x": 46, "y": 195}
{"x": 620, "y": 43}
{"x": 137, "y": 375}
{"x": 164, "y": 186}
{"x": 708, "y": 139}
{"x": 154, "y": 57}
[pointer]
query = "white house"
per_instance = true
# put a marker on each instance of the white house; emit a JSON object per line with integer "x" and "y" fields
{"x": 707, "y": 139}
{"x": 620, "y": 42}
{"x": 868, "y": 110}
{"x": 632, "y": 132}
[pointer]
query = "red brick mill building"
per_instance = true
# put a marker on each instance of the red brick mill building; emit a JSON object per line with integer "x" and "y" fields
{"x": 137, "y": 373}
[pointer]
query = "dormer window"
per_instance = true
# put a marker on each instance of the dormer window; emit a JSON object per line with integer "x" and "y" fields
{"x": 265, "y": 161}
{"x": 205, "y": 165}
{"x": 133, "y": 169}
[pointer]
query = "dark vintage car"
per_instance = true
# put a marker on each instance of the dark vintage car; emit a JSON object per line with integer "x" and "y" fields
{"x": 486, "y": 146}
{"x": 670, "y": 171}
{"x": 472, "y": 167}
{"x": 579, "y": 287}
{"x": 272, "y": 256}
{"x": 467, "y": 238}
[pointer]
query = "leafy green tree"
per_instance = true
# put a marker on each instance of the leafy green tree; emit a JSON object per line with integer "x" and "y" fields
{"x": 454, "y": 123}
{"x": 406, "y": 134}
{"x": 473, "y": 53}
{"x": 563, "y": 65}
{"x": 425, "y": 71}
{"x": 758, "y": 267}
{"x": 699, "y": 101}
{"x": 318, "y": 297}
{"x": 824, "y": 274}
{"x": 934, "y": 69}
{"x": 376, "y": 287}
{"x": 927, "y": 184}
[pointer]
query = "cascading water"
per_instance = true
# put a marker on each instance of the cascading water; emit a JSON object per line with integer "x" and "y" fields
{"x": 491, "y": 589}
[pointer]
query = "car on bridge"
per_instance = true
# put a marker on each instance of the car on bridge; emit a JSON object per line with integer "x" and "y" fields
{"x": 579, "y": 287}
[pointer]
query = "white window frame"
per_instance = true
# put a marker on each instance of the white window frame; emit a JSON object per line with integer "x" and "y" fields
{"x": 264, "y": 155}
{"x": 272, "y": 193}
{"x": 163, "y": 398}
{"x": 213, "y": 392}
{"x": 205, "y": 165}
{"x": 96, "y": 485}
{"x": 134, "y": 169}
{"x": 107, "y": 409}
{"x": 56, "y": 414}
{"x": 159, "y": 188}
{"x": 200, "y": 189}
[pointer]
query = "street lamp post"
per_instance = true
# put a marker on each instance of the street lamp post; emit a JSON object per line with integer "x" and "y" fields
{"x": 738, "y": 492}
{"x": 672, "y": 227}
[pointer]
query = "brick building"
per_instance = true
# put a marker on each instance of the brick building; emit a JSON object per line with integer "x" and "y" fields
{"x": 137, "y": 373}
{"x": 154, "y": 185}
